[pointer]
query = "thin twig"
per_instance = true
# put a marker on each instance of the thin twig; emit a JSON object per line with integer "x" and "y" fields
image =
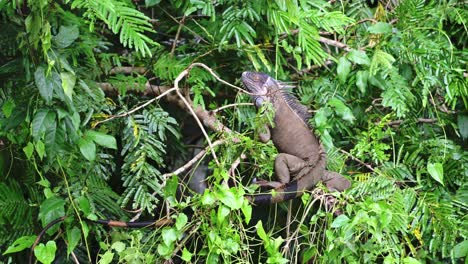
{"x": 419, "y": 120}
{"x": 230, "y": 105}
{"x": 127, "y": 70}
{"x": 174, "y": 44}
{"x": 198, "y": 64}
{"x": 136, "y": 108}
{"x": 334, "y": 43}
{"x": 194, "y": 160}
{"x": 358, "y": 160}
{"x": 190, "y": 108}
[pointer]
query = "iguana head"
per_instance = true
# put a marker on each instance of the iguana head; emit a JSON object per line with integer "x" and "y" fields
{"x": 260, "y": 85}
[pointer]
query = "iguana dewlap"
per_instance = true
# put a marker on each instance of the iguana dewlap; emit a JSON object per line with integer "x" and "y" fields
{"x": 301, "y": 161}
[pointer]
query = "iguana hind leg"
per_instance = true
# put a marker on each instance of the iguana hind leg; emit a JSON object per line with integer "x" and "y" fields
{"x": 286, "y": 164}
{"x": 335, "y": 181}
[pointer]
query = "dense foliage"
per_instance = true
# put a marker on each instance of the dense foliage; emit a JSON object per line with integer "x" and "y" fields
{"x": 386, "y": 81}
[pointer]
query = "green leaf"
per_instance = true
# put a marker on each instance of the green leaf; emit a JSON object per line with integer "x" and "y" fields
{"x": 359, "y": 57}
{"x": 410, "y": 260}
{"x": 380, "y": 28}
{"x": 232, "y": 198}
{"x": 261, "y": 232}
{"x": 118, "y": 246}
{"x": 343, "y": 69}
{"x": 45, "y": 84}
{"x": 223, "y": 211}
{"x": 247, "y": 211}
{"x": 51, "y": 209}
{"x": 186, "y": 255}
{"x": 181, "y": 221}
{"x": 461, "y": 249}
{"x": 68, "y": 82}
{"x": 73, "y": 238}
{"x": 42, "y": 120}
{"x": 169, "y": 236}
{"x": 462, "y": 121}
{"x": 102, "y": 139}
{"x": 342, "y": 110}
{"x": 40, "y": 149}
{"x": 46, "y": 253}
{"x": 361, "y": 80}
{"x": 165, "y": 250}
{"x": 66, "y": 36}
{"x": 106, "y": 258}
{"x": 28, "y": 150}
{"x": 87, "y": 148}
{"x": 150, "y": 3}
{"x": 208, "y": 198}
{"x": 8, "y": 107}
{"x": 84, "y": 204}
{"x": 436, "y": 170}
{"x": 340, "y": 221}
{"x": 20, "y": 244}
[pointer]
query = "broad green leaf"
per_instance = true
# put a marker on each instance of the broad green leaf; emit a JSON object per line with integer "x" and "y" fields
{"x": 261, "y": 232}
{"x": 150, "y": 3}
{"x": 73, "y": 238}
{"x": 343, "y": 69}
{"x": 84, "y": 204}
{"x": 171, "y": 186}
{"x": 40, "y": 149}
{"x": 361, "y": 80}
{"x": 169, "y": 236}
{"x": 66, "y": 36}
{"x": 20, "y": 244}
{"x": 223, "y": 211}
{"x": 247, "y": 211}
{"x": 186, "y": 255}
{"x": 462, "y": 121}
{"x": 51, "y": 209}
{"x": 46, "y": 253}
{"x": 68, "y": 82}
{"x": 340, "y": 221}
{"x": 106, "y": 258}
{"x": 87, "y": 148}
{"x": 208, "y": 198}
{"x": 380, "y": 28}
{"x": 44, "y": 84}
{"x": 28, "y": 150}
{"x": 8, "y": 107}
{"x": 118, "y": 246}
{"x": 410, "y": 260}
{"x": 232, "y": 198}
{"x": 165, "y": 250}
{"x": 102, "y": 139}
{"x": 342, "y": 110}
{"x": 359, "y": 57}
{"x": 461, "y": 249}
{"x": 42, "y": 119}
{"x": 181, "y": 221}
{"x": 436, "y": 170}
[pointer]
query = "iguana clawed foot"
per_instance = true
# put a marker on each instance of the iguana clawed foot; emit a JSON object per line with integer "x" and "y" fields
{"x": 267, "y": 184}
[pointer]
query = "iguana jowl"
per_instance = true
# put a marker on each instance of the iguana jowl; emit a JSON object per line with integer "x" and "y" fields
{"x": 301, "y": 161}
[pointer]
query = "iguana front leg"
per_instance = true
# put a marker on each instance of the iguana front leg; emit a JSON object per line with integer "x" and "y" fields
{"x": 285, "y": 166}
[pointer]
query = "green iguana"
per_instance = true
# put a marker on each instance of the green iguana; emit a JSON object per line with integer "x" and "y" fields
{"x": 301, "y": 161}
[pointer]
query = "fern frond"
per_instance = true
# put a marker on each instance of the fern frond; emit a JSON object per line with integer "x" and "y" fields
{"x": 131, "y": 24}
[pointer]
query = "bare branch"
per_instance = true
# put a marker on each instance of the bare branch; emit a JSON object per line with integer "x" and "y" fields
{"x": 128, "y": 70}
{"x": 358, "y": 160}
{"x": 194, "y": 160}
{"x": 334, "y": 43}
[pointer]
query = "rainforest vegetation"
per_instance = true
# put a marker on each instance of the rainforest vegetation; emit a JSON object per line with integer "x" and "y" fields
{"x": 108, "y": 107}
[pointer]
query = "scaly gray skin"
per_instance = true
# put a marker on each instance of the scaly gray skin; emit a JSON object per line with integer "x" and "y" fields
{"x": 301, "y": 156}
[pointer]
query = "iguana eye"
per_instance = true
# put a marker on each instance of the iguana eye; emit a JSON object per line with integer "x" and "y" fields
{"x": 258, "y": 102}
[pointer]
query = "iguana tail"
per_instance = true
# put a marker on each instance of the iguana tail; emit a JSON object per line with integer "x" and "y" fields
{"x": 294, "y": 188}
